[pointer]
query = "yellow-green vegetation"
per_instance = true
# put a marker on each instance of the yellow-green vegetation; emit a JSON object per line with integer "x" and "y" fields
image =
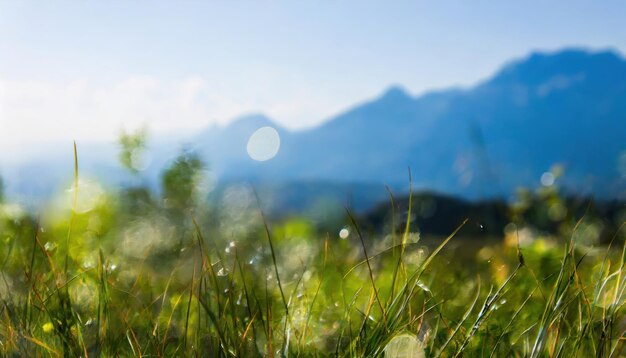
{"x": 133, "y": 273}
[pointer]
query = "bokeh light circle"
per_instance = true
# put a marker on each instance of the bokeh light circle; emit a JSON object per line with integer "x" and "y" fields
{"x": 263, "y": 144}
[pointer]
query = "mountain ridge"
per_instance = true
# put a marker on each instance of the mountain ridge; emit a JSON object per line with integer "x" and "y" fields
{"x": 565, "y": 107}
{"x": 506, "y": 126}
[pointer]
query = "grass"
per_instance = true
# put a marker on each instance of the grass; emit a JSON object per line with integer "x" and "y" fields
{"x": 135, "y": 277}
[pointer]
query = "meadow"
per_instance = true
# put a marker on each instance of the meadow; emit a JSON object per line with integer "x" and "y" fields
{"x": 136, "y": 272}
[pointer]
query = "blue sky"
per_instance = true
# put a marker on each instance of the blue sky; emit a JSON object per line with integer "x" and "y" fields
{"x": 85, "y": 69}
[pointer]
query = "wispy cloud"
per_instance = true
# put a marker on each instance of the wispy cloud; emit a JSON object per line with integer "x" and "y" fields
{"x": 85, "y": 110}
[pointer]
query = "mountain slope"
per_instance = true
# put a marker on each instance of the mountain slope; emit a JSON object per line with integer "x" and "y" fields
{"x": 564, "y": 108}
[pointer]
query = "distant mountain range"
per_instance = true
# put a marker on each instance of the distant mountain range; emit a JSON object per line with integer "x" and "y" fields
{"x": 565, "y": 108}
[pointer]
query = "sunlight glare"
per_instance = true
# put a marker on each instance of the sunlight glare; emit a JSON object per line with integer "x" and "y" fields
{"x": 405, "y": 345}
{"x": 90, "y": 195}
{"x": 547, "y": 179}
{"x": 263, "y": 144}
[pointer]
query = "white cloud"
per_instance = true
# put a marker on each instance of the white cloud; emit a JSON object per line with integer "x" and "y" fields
{"x": 34, "y": 112}
{"x": 39, "y": 111}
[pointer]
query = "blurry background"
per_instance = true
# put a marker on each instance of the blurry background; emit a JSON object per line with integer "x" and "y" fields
{"x": 477, "y": 99}
{"x": 244, "y": 171}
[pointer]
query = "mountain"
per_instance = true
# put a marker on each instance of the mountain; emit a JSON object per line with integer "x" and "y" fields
{"x": 566, "y": 108}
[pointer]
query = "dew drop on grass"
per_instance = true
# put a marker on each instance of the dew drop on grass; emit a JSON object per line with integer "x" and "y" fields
{"x": 88, "y": 264}
{"x": 421, "y": 285}
{"x": 50, "y": 246}
{"x": 222, "y": 272}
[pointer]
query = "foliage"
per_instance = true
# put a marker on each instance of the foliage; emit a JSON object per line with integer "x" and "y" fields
{"x": 132, "y": 147}
{"x": 120, "y": 278}
{"x": 180, "y": 181}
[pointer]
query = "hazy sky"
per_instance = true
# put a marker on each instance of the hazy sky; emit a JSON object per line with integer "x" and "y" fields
{"x": 84, "y": 69}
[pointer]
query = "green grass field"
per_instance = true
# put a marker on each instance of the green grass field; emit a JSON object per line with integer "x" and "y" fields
{"x": 130, "y": 273}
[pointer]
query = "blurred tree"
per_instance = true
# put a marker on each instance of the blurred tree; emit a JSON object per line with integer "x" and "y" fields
{"x": 180, "y": 181}
{"x": 133, "y": 146}
{"x": 136, "y": 198}
{"x": 179, "y": 184}
{"x": 1, "y": 190}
